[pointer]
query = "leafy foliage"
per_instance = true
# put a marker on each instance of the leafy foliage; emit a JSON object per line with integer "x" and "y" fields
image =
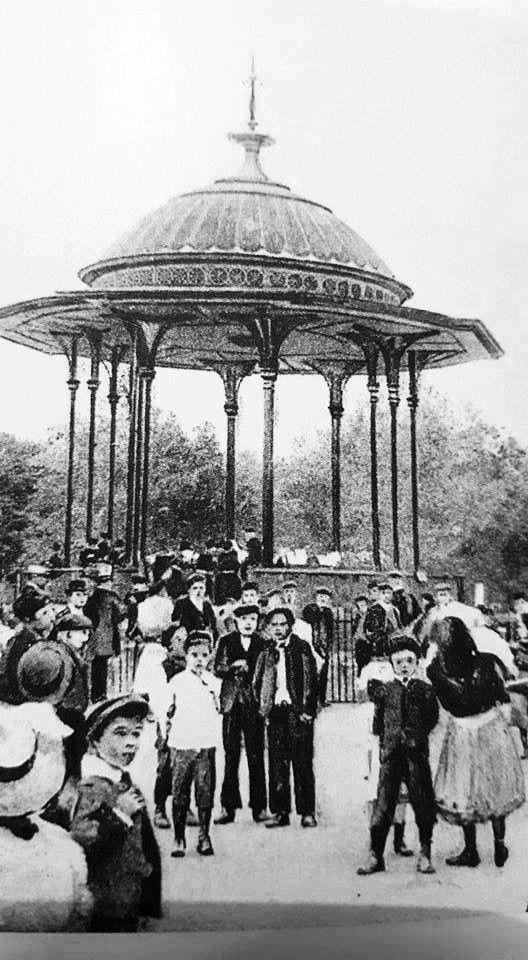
{"x": 473, "y": 490}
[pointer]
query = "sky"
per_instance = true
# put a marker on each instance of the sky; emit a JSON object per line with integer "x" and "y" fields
{"x": 407, "y": 119}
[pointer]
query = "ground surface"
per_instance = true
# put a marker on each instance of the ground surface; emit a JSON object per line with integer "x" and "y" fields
{"x": 259, "y": 869}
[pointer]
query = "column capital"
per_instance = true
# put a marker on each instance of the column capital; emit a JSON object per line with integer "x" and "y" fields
{"x": 374, "y": 390}
{"x": 73, "y": 384}
{"x": 232, "y": 375}
{"x": 416, "y": 362}
{"x": 269, "y": 376}
{"x": 147, "y": 373}
{"x": 93, "y": 384}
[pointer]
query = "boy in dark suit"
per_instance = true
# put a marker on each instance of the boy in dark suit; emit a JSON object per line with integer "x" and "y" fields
{"x": 406, "y": 710}
{"x": 235, "y": 661}
{"x": 285, "y": 687}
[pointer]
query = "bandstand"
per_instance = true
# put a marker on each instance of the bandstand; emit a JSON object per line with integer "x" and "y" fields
{"x": 242, "y": 278}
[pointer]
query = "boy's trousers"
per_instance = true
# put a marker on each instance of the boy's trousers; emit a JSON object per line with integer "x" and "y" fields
{"x": 163, "y": 784}
{"x": 244, "y": 719}
{"x": 290, "y": 744}
{"x": 193, "y": 766}
{"x": 414, "y": 770}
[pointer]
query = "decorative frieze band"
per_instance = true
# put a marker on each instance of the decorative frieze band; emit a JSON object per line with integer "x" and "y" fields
{"x": 247, "y": 278}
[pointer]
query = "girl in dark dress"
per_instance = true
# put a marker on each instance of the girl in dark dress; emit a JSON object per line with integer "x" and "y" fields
{"x": 479, "y": 775}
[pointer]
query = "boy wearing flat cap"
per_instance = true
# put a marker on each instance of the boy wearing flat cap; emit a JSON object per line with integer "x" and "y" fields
{"x": 235, "y": 662}
{"x": 111, "y": 822}
{"x": 405, "y": 712}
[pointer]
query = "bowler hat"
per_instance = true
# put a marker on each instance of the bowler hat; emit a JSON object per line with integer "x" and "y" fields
{"x": 245, "y": 609}
{"x": 73, "y": 621}
{"x": 76, "y": 586}
{"x": 28, "y": 604}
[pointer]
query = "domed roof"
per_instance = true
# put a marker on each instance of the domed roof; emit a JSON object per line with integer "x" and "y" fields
{"x": 249, "y": 214}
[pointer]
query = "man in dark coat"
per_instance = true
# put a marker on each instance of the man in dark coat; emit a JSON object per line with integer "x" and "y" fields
{"x": 405, "y": 602}
{"x": 37, "y": 615}
{"x": 106, "y": 612}
{"x": 405, "y": 712}
{"x": 381, "y": 621}
{"x": 235, "y": 662}
{"x": 285, "y": 687}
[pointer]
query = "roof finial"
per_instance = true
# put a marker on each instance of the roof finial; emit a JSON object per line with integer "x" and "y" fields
{"x": 252, "y": 80}
{"x": 250, "y": 140}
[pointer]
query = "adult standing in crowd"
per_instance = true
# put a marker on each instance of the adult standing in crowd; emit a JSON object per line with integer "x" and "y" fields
{"x": 106, "y": 612}
{"x": 235, "y": 662}
{"x": 479, "y": 777}
{"x": 285, "y": 687}
{"x": 405, "y": 602}
{"x": 228, "y": 583}
{"x": 44, "y": 874}
{"x": 382, "y": 620}
{"x": 194, "y": 611}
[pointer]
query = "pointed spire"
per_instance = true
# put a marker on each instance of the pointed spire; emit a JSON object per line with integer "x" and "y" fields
{"x": 252, "y": 80}
{"x": 252, "y": 141}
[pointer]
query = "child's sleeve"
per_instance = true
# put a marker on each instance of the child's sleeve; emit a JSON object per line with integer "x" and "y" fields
{"x": 95, "y": 825}
{"x": 379, "y": 708}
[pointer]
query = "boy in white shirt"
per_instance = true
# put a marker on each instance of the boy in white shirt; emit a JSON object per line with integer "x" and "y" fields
{"x": 193, "y": 733}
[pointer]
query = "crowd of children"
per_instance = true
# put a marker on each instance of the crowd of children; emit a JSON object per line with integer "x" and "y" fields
{"x": 250, "y": 670}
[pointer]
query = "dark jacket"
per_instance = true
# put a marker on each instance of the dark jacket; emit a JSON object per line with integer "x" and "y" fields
{"x": 301, "y": 677}
{"x": 106, "y": 611}
{"x": 21, "y": 641}
{"x": 407, "y": 606}
{"x": 477, "y": 691}
{"x": 236, "y": 683}
{"x": 124, "y": 865}
{"x": 404, "y": 716}
{"x": 187, "y": 615}
{"x": 379, "y": 626}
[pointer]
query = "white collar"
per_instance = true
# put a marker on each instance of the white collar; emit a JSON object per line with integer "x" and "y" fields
{"x": 405, "y": 681}
{"x": 94, "y": 766}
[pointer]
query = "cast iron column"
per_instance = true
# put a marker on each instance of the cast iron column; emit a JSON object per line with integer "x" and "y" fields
{"x": 413, "y": 400}
{"x": 392, "y": 368}
{"x": 373, "y": 389}
{"x": 232, "y": 375}
{"x": 147, "y": 376}
{"x": 73, "y": 386}
{"x": 93, "y": 386}
{"x": 113, "y": 400}
{"x": 131, "y": 467}
{"x": 335, "y": 407}
{"x": 138, "y": 465}
{"x": 269, "y": 377}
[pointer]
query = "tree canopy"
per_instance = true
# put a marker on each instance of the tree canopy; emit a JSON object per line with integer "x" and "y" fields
{"x": 473, "y": 490}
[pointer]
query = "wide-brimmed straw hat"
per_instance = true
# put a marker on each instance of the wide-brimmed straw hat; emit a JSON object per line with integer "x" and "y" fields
{"x": 44, "y": 672}
{"x": 32, "y": 767}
